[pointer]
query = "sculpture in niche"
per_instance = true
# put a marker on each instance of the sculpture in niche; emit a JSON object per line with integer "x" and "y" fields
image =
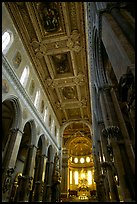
{"x": 50, "y": 16}
{"x": 61, "y": 63}
{"x": 32, "y": 87}
{"x": 42, "y": 106}
{"x": 5, "y": 86}
{"x": 17, "y": 60}
{"x": 69, "y": 92}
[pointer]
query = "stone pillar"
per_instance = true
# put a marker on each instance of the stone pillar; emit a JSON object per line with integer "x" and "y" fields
{"x": 112, "y": 127}
{"x": 64, "y": 184}
{"x": 112, "y": 132}
{"x": 106, "y": 164}
{"x": 124, "y": 25}
{"x": 9, "y": 161}
{"x": 26, "y": 179}
{"x": 39, "y": 181}
{"x": 124, "y": 131}
{"x": 48, "y": 184}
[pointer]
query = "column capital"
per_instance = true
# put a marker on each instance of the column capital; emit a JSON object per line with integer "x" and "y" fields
{"x": 112, "y": 5}
{"x": 15, "y": 130}
{"x": 105, "y": 165}
{"x": 7, "y": 181}
{"x": 44, "y": 156}
{"x": 32, "y": 146}
{"x": 111, "y": 131}
{"x": 105, "y": 87}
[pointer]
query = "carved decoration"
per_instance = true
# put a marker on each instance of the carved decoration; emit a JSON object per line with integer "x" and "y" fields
{"x": 125, "y": 83}
{"x": 51, "y": 83}
{"x": 73, "y": 42}
{"x": 69, "y": 92}
{"x": 111, "y": 131}
{"x": 7, "y": 182}
{"x": 83, "y": 102}
{"x": 80, "y": 79}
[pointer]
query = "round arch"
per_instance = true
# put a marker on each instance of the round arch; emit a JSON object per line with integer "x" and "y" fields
{"x": 17, "y": 109}
{"x": 44, "y": 143}
{"x": 79, "y": 121}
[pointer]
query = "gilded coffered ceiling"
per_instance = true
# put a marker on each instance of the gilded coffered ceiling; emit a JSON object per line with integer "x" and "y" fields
{"x": 54, "y": 36}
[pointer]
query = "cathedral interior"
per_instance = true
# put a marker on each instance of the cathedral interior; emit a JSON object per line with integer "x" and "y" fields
{"x": 68, "y": 102}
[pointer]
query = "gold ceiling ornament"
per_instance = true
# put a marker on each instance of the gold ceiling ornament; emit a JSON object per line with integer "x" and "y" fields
{"x": 83, "y": 102}
{"x": 69, "y": 92}
{"x": 39, "y": 55}
{"x": 80, "y": 79}
{"x": 35, "y": 44}
{"x": 73, "y": 42}
{"x": 39, "y": 48}
{"x": 51, "y": 83}
{"x": 59, "y": 105}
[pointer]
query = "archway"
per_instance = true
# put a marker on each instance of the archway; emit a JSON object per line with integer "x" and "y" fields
{"x": 77, "y": 160}
{"x": 25, "y": 163}
{"x": 11, "y": 122}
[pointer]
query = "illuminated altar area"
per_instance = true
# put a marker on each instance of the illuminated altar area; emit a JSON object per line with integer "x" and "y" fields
{"x": 81, "y": 177}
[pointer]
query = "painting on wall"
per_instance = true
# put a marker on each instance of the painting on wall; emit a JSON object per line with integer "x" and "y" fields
{"x": 17, "y": 60}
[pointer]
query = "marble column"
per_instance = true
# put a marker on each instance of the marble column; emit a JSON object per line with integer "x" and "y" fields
{"x": 126, "y": 139}
{"x": 112, "y": 132}
{"x": 109, "y": 172}
{"x": 122, "y": 22}
{"x": 112, "y": 123}
{"x": 64, "y": 184}
{"x": 48, "y": 189}
{"x": 39, "y": 181}
{"x": 9, "y": 161}
{"x": 26, "y": 180}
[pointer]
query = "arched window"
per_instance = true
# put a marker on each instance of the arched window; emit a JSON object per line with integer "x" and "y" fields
{"x": 76, "y": 177}
{"x": 70, "y": 177}
{"x": 7, "y": 39}
{"x": 89, "y": 175}
{"x": 37, "y": 99}
{"x": 24, "y": 76}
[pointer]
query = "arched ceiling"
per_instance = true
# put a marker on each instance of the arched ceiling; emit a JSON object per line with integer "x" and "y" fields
{"x": 53, "y": 34}
{"x": 77, "y": 139}
{"x": 80, "y": 146}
